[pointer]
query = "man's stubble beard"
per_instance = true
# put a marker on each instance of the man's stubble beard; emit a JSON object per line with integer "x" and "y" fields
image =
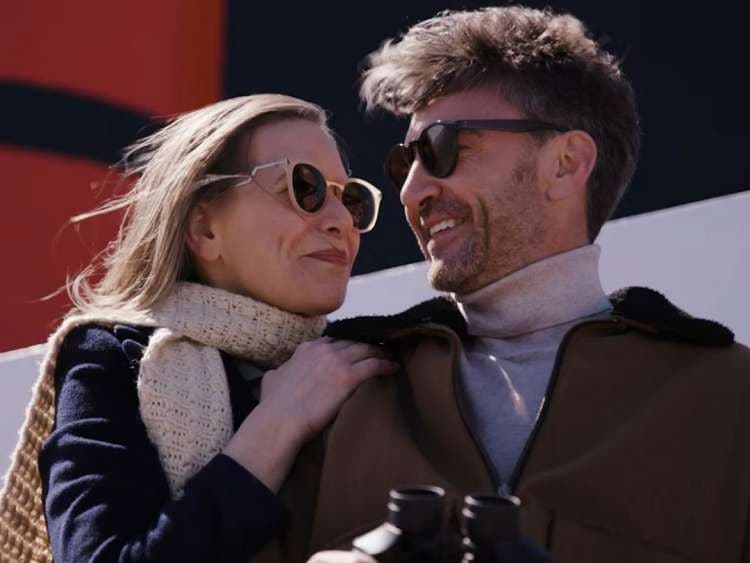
{"x": 509, "y": 227}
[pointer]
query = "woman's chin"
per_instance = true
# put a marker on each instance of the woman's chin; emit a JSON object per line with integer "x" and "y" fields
{"x": 321, "y": 306}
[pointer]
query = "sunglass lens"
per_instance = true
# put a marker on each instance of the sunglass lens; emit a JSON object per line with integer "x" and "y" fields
{"x": 309, "y": 187}
{"x": 437, "y": 148}
{"x": 397, "y": 165}
{"x": 361, "y": 204}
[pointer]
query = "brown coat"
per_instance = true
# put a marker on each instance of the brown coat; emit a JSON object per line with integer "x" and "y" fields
{"x": 641, "y": 453}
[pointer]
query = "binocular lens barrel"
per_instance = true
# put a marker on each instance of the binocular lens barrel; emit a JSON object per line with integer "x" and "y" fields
{"x": 491, "y": 518}
{"x": 416, "y": 510}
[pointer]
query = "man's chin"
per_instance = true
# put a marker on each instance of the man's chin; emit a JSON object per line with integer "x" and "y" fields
{"x": 444, "y": 277}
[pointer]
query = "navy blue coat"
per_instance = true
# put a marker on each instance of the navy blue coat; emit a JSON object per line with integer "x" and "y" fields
{"x": 105, "y": 495}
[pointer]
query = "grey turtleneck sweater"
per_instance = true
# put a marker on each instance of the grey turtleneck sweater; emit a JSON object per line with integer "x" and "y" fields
{"x": 515, "y": 327}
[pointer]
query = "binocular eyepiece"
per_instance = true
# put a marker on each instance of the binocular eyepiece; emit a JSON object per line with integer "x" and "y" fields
{"x": 415, "y": 531}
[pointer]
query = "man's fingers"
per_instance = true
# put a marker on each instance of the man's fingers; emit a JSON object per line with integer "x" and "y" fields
{"x": 340, "y": 557}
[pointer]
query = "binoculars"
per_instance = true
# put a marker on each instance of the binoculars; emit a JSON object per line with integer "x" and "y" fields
{"x": 414, "y": 531}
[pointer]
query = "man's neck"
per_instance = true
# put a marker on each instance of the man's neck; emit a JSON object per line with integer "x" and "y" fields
{"x": 549, "y": 292}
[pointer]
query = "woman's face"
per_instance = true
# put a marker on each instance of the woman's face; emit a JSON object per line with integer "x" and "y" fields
{"x": 252, "y": 241}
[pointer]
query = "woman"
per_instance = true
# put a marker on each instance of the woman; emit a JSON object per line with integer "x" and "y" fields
{"x": 158, "y": 436}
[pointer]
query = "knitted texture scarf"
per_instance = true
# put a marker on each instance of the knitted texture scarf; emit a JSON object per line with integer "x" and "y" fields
{"x": 182, "y": 390}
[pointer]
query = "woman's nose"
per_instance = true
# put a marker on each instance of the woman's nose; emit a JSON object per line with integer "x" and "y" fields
{"x": 335, "y": 217}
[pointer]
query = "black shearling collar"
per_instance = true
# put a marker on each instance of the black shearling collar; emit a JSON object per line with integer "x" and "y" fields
{"x": 650, "y": 310}
{"x": 640, "y": 307}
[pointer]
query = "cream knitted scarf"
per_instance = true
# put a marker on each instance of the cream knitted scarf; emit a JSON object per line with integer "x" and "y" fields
{"x": 182, "y": 391}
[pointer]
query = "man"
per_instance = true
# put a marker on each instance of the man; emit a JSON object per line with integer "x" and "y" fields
{"x": 619, "y": 422}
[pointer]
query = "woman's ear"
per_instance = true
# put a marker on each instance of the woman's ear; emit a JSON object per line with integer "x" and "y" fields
{"x": 202, "y": 241}
{"x": 573, "y": 160}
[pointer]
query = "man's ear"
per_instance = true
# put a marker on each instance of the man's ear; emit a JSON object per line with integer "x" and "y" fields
{"x": 570, "y": 162}
{"x": 202, "y": 241}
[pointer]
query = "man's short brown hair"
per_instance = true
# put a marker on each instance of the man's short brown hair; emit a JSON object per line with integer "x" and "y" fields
{"x": 542, "y": 62}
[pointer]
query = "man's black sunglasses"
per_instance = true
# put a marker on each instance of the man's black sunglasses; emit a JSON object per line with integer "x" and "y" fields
{"x": 437, "y": 145}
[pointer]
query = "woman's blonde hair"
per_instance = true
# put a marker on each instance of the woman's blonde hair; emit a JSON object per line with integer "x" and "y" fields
{"x": 149, "y": 255}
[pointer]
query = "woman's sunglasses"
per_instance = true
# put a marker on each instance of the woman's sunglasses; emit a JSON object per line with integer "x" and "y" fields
{"x": 308, "y": 190}
{"x": 437, "y": 145}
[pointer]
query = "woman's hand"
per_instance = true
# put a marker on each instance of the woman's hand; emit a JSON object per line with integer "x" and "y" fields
{"x": 312, "y": 385}
{"x": 298, "y": 399}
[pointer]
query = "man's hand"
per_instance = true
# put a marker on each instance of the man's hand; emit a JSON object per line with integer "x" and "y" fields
{"x": 340, "y": 557}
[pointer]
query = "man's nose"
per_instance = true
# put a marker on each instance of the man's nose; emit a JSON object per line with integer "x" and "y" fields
{"x": 419, "y": 187}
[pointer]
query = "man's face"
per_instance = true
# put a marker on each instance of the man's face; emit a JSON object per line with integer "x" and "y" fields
{"x": 486, "y": 219}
